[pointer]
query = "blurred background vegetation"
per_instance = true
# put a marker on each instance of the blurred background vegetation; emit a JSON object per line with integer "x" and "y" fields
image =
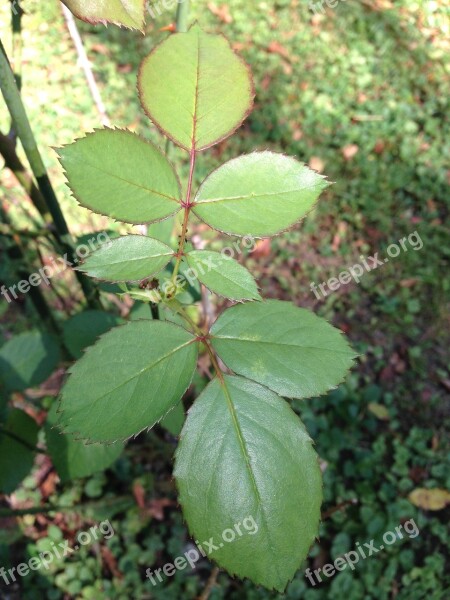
{"x": 360, "y": 93}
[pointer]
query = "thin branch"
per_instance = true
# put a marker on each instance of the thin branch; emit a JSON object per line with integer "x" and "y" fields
{"x": 211, "y": 583}
{"x": 85, "y": 64}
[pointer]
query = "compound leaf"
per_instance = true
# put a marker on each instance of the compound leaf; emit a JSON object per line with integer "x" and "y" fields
{"x": 259, "y": 194}
{"x": 255, "y": 468}
{"x": 195, "y": 89}
{"x": 289, "y": 349}
{"x": 72, "y": 458}
{"x": 222, "y": 275}
{"x": 129, "y": 13}
{"x": 118, "y": 174}
{"x": 128, "y": 381}
{"x": 128, "y": 258}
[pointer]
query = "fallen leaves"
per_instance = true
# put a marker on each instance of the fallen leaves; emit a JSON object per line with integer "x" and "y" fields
{"x": 434, "y": 499}
{"x": 349, "y": 151}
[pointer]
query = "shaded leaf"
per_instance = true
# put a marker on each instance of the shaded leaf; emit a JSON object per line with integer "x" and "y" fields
{"x": 222, "y": 275}
{"x": 195, "y": 89}
{"x": 259, "y": 194}
{"x": 83, "y": 329}
{"x": 27, "y": 360}
{"x": 255, "y": 464}
{"x": 16, "y": 457}
{"x": 118, "y": 174}
{"x": 289, "y": 349}
{"x": 128, "y": 381}
{"x": 72, "y": 458}
{"x": 174, "y": 420}
{"x": 128, "y": 258}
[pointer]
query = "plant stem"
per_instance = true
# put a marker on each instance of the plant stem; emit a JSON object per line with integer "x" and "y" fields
{"x": 13, "y": 162}
{"x": 183, "y": 16}
{"x": 22, "y": 126}
{"x": 187, "y": 209}
{"x": 212, "y": 582}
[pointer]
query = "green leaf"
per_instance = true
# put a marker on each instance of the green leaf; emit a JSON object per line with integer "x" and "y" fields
{"x": 16, "y": 457}
{"x": 128, "y": 258}
{"x": 259, "y": 194}
{"x": 195, "y": 89}
{"x": 27, "y": 360}
{"x": 72, "y": 458}
{"x": 129, "y": 13}
{"x": 83, "y": 329}
{"x": 128, "y": 381}
{"x": 118, "y": 174}
{"x": 245, "y": 458}
{"x": 222, "y": 275}
{"x": 289, "y": 349}
{"x": 174, "y": 420}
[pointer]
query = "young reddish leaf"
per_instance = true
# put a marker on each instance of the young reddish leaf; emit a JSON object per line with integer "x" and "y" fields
{"x": 195, "y": 89}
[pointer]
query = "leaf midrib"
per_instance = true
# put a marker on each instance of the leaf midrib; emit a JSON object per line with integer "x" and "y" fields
{"x": 246, "y": 456}
{"x": 255, "y": 195}
{"x": 239, "y": 339}
{"x": 148, "y": 368}
{"x": 141, "y": 187}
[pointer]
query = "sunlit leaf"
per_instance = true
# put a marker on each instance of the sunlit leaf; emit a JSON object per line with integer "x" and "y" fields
{"x": 195, "y": 88}
{"x": 222, "y": 275}
{"x": 132, "y": 377}
{"x": 128, "y": 258}
{"x": 260, "y": 194}
{"x": 118, "y": 174}
{"x": 291, "y": 350}
{"x": 245, "y": 457}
